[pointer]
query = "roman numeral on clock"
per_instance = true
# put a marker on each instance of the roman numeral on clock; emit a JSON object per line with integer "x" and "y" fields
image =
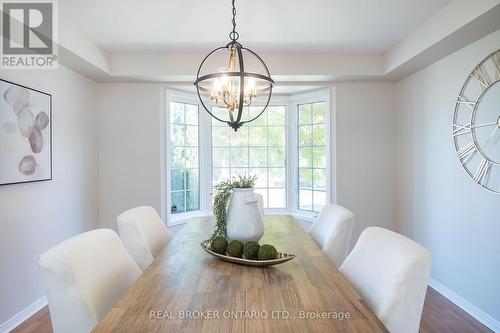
{"x": 482, "y": 171}
{"x": 461, "y": 129}
{"x": 481, "y": 77}
{"x": 467, "y": 128}
{"x": 496, "y": 61}
{"x": 463, "y": 100}
{"x": 466, "y": 152}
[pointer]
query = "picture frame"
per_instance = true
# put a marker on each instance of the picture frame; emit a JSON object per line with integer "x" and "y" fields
{"x": 25, "y": 134}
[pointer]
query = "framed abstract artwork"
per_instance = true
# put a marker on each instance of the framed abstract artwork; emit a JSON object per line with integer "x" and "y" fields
{"x": 25, "y": 134}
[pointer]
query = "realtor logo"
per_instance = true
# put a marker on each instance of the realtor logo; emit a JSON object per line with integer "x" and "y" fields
{"x": 28, "y": 31}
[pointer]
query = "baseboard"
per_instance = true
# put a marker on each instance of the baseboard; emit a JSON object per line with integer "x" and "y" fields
{"x": 19, "y": 318}
{"x": 479, "y": 315}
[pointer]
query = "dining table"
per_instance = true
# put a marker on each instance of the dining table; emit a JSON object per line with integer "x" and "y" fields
{"x": 185, "y": 289}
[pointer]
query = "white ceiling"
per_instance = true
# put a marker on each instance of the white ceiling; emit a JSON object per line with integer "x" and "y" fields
{"x": 150, "y": 26}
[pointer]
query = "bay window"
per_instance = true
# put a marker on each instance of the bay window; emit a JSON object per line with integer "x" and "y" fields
{"x": 287, "y": 148}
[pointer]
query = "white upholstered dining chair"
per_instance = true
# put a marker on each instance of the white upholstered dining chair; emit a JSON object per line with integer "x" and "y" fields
{"x": 84, "y": 277}
{"x": 390, "y": 272}
{"x": 332, "y": 232}
{"x": 143, "y": 233}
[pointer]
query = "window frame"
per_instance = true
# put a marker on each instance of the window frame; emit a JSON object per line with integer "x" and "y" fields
{"x": 291, "y": 103}
{"x": 276, "y": 101}
{"x": 174, "y": 96}
{"x": 311, "y": 98}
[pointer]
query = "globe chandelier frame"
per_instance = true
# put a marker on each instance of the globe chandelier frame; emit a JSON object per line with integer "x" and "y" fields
{"x": 234, "y": 88}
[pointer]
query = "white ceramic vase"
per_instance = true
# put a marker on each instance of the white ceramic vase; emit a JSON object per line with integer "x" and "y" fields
{"x": 244, "y": 220}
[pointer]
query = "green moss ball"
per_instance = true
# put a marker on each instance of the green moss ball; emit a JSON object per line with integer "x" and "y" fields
{"x": 219, "y": 245}
{"x": 251, "y": 250}
{"x": 267, "y": 252}
{"x": 235, "y": 249}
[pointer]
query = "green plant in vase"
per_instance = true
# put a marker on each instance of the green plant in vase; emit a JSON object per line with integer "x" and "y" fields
{"x": 222, "y": 194}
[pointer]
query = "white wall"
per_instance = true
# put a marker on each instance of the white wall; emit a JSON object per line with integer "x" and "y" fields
{"x": 36, "y": 216}
{"x": 129, "y": 148}
{"x": 438, "y": 205}
{"x": 365, "y": 157}
{"x": 130, "y": 116}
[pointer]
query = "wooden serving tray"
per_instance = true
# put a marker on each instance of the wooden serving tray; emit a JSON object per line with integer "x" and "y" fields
{"x": 282, "y": 257}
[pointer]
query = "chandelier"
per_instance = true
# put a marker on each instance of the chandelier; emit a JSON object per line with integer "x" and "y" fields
{"x": 228, "y": 91}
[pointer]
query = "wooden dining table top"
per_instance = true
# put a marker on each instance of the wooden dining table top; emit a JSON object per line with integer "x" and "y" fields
{"x": 186, "y": 289}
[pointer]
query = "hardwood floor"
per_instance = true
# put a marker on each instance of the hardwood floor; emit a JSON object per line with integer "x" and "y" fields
{"x": 39, "y": 323}
{"x": 439, "y": 316}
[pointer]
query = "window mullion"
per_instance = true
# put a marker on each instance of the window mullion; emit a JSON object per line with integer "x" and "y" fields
{"x": 185, "y": 160}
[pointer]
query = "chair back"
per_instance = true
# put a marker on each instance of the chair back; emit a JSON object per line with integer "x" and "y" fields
{"x": 391, "y": 273}
{"x": 333, "y": 231}
{"x": 84, "y": 277}
{"x": 143, "y": 233}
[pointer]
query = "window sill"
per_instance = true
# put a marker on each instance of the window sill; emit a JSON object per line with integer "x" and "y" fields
{"x": 186, "y": 217}
{"x": 305, "y": 217}
{"x": 183, "y": 218}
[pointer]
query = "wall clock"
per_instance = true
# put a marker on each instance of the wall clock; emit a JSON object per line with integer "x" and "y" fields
{"x": 476, "y": 124}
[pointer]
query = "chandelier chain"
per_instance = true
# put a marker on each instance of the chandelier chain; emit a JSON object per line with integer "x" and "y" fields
{"x": 233, "y": 35}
